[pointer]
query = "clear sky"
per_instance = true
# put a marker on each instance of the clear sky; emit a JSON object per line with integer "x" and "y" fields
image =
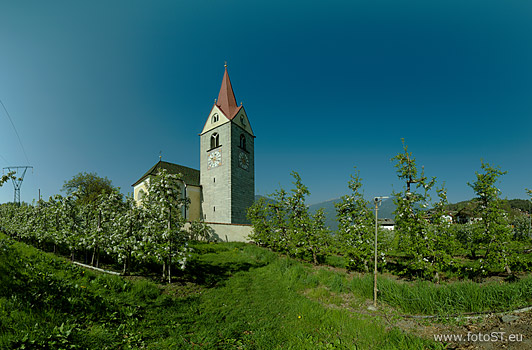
{"x": 104, "y": 86}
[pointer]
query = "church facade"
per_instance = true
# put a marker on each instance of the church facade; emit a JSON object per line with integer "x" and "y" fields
{"x": 222, "y": 190}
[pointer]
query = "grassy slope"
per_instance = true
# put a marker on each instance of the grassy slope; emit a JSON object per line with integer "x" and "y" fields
{"x": 232, "y": 296}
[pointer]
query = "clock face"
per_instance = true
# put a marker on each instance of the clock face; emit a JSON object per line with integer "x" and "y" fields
{"x": 243, "y": 160}
{"x": 214, "y": 159}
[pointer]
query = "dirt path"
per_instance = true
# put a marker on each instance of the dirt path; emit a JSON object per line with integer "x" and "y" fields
{"x": 494, "y": 331}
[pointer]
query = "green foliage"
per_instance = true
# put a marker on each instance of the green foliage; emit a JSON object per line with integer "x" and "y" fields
{"x": 285, "y": 224}
{"x": 428, "y": 244}
{"x": 6, "y": 177}
{"x": 110, "y": 227}
{"x": 259, "y": 215}
{"x": 87, "y": 187}
{"x": 199, "y": 230}
{"x": 521, "y": 228}
{"x": 356, "y": 227}
{"x": 493, "y": 231}
{"x": 164, "y": 204}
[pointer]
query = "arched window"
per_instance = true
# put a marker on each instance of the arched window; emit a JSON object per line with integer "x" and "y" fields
{"x": 242, "y": 141}
{"x": 215, "y": 140}
{"x": 214, "y": 118}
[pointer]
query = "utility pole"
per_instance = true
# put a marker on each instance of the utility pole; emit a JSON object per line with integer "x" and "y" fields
{"x": 18, "y": 177}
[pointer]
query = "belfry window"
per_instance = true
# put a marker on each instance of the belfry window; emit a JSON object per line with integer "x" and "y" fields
{"x": 242, "y": 141}
{"x": 214, "y": 118}
{"x": 215, "y": 140}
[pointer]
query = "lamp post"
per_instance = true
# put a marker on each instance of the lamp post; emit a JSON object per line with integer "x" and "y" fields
{"x": 378, "y": 202}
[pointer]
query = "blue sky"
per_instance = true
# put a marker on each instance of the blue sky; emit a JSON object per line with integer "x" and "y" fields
{"x": 105, "y": 86}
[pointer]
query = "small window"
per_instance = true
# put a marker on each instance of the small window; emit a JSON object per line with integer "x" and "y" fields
{"x": 215, "y": 140}
{"x": 242, "y": 141}
{"x": 215, "y": 118}
{"x": 142, "y": 194}
{"x": 243, "y": 120}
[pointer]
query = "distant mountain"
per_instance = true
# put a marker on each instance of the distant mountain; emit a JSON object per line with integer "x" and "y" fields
{"x": 512, "y": 206}
{"x": 329, "y": 211}
{"x": 268, "y": 199}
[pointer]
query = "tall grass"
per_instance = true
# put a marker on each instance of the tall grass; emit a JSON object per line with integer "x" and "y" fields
{"x": 427, "y": 298}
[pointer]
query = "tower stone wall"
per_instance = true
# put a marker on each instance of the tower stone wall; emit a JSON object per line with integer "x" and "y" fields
{"x": 242, "y": 180}
{"x": 216, "y": 182}
{"x": 228, "y": 188}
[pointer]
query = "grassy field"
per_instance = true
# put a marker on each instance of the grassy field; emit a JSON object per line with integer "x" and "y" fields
{"x": 232, "y": 296}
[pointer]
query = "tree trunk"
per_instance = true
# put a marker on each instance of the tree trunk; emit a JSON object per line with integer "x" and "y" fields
{"x": 169, "y": 269}
{"x": 314, "y": 256}
{"x": 437, "y": 277}
{"x": 98, "y": 232}
{"x": 97, "y": 256}
{"x": 93, "y": 254}
{"x": 127, "y": 262}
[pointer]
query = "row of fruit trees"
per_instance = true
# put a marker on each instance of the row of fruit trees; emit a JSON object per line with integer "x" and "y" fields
{"x": 112, "y": 225}
{"x": 424, "y": 243}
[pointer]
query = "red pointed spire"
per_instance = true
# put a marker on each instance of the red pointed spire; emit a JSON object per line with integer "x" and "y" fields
{"x": 226, "y": 98}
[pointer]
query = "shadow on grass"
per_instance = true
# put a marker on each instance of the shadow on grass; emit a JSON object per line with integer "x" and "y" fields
{"x": 210, "y": 274}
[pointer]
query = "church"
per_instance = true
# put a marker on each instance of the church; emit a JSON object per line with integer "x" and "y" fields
{"x": 222, "y": 190}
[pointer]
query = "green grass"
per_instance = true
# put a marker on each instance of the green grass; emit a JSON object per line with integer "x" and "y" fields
{"x": 242, "y": 297}
{"x": 231, "y": 296}
{"x": 426, "y": 298}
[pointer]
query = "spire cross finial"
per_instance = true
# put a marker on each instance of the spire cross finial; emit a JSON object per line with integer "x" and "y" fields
{"x": 225, "y": 65}
{"x": 160, "y": 155}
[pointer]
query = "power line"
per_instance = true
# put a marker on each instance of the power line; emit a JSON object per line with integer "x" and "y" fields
{"x": 16, "y": 132}
{"x": 19, "y": 172}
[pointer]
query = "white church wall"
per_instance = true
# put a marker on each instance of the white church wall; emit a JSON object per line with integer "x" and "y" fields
{"x": 228, "y": 232}
{"x": 231, "y": 232}
{"x": 211, "y": 124}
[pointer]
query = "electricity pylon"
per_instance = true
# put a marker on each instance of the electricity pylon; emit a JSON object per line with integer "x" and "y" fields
{"x": 18, "y": 177}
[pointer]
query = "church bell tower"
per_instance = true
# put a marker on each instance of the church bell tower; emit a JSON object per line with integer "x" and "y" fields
{"x": 227, "y": 160}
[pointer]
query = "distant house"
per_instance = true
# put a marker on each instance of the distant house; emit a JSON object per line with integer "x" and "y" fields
{"x": 447, "y": 218}
{"x": 387, "y": 224}
{"x": 466, "y": 216}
